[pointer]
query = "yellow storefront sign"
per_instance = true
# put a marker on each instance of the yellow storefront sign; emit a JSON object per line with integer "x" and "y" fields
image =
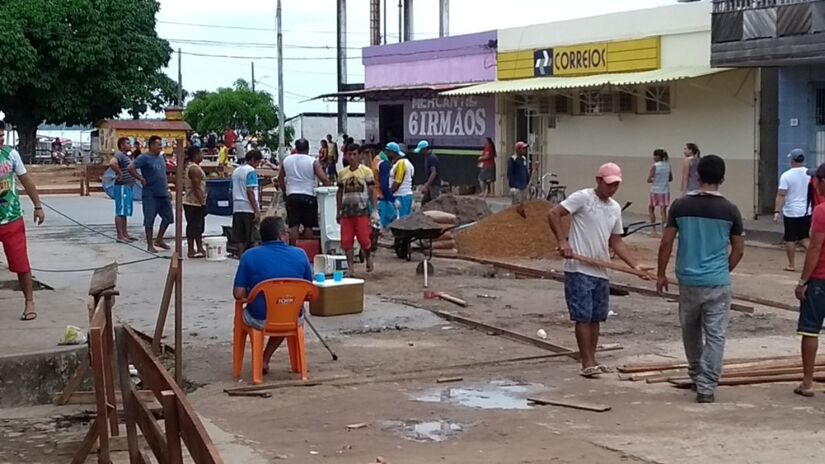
{"x": 580, "y": 60}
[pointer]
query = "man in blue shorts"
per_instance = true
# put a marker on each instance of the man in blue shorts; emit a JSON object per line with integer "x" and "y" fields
{"x": 156, "y": 198}
{"x": 124, "y": 189}
{"x": 595, "y": 228}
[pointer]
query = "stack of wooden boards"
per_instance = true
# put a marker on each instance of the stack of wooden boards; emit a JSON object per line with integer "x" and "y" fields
{"x": 444, "y": 246}
{"x": 738, "y": 371}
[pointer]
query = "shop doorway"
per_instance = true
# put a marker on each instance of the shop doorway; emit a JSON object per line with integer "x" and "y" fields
{"x": 391, "y": 123}
{"x": 529, "y": 127}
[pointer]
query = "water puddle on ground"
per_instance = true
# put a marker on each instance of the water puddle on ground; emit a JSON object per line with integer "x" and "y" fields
{"x": 498, "y": 394}
{"x": 430, "y": 431}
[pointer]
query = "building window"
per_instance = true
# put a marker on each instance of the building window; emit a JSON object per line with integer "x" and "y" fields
{"x": 625, "y": 102}
{"x": 819, "y": 105}
{"x": 561, "y": 103}
{"x": 657, "y": 99}
{"x": 595, "y": 102}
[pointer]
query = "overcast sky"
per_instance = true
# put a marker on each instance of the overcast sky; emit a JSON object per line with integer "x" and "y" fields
{"x": 245, "y": 29}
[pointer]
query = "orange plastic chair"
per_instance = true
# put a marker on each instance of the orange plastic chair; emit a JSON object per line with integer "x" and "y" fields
{"x": 284, "y": 300}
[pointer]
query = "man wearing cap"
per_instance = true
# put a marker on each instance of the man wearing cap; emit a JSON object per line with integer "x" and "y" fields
{"x": 518, "y": 174}
{"x": 596, "y": 227}
{"x": 401, "y": 177}
{"x": 708, "y": 225}
{"x": 793, "y": 203}
{"x": 432, "y": 167}
{"x": 381, "y": 166}
{"x": 810, "y": 290}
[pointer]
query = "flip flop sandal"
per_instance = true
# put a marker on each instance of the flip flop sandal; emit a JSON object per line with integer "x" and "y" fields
{"x": 790, "y": 269}
{"x": 30, "y": 316}
{"x": 590, "y": 372}
{"x": 802, "y": 391}
{"x": 604, "y": 369}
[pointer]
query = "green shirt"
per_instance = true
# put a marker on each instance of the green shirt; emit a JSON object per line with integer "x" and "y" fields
{"x": 11, "y": 166}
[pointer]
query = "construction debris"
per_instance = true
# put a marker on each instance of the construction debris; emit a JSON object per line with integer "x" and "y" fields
{"x": 466, "y": 209}
{"x": 570, "y": 404}
{"x": 507, "y": 235}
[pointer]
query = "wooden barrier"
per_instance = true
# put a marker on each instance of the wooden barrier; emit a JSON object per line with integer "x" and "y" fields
{"x": 101, "y": 344}
{"x": 91, "y": 179}
{"x": 180, "y": 420}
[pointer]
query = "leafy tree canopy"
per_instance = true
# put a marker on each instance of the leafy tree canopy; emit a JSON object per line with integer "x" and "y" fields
{"x": 79, "y": 61}
{"x": 238, "y": 107}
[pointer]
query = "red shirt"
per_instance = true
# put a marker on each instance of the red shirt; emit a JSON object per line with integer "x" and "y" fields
{"x": 229, "y": 138}
{"x": 487, "y": 160}
{"x": 816, "y": 198}
{"x": 818, "y": 226}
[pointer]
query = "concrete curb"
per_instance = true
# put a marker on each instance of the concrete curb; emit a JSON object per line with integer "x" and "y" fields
{"x": 34, "y": 378}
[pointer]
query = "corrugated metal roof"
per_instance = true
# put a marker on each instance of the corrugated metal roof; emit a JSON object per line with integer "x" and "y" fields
{"x": 147, "y": 125}
{"x": 598, "y": 80}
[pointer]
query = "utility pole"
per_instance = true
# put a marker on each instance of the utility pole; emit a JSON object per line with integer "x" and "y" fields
{"x": 400, "y": 21}
{"x": 253, "y": 76}
{"x": 342, "y": 65}
{"x": 408, "y": 20}
{"x": 281, "y": 119}
{"x": 444, "y": 18}
{"x": 180, "y": 80}
{"x": 385, "y": 22}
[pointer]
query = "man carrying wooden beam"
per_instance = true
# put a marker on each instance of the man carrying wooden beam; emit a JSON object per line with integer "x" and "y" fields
{"x": 810, "y": 290}
{"x": 596, "y": 227}
{"x": 706, "y": 223}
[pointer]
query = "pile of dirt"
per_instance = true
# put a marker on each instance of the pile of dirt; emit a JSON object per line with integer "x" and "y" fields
{"x": 468, "y": 209}
{"x": 508, "y": 235}
{"x": 416, "y": 221}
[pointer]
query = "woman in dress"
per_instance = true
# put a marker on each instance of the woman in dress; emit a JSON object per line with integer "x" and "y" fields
{"x": 660, "y": 177}
{"x": 690, "y": 168}
{"x": 487, "y": 168}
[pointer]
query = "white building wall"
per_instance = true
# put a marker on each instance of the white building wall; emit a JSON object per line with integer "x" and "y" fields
{"x": 717, "y": 112}
{"x": 314, "y": 128}
{"x": 671, "y": 19}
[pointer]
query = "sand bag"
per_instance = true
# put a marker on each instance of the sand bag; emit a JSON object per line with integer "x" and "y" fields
{"x": 442, "y": 218}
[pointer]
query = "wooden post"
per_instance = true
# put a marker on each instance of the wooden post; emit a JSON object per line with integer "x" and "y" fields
{"x": 108, "y": 364}
{"x": 163, "y": 311}
{"x": 98, "y": 367}
{"x": 179, "y": 253}
{"x": 172, "y": 426}
{"x": 128, "y": 406}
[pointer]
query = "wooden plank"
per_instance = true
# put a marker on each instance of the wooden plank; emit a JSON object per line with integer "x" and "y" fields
{"x": 99, "y": 379}
{"x": 126, "y": 389}
{"x": 73, "y": 384}
{"x": 644, "y": 367}
{"x": 86, "y": 445}
{"x": 452, "y": 299}
{"x": 179, "y": 256}
{"x": 152, "y": 433}
{"x": 109, "y": 366}
{"x": 449, "y": 379}
{"x": 505, "y": 333}
{"x": 88, "y": 397}
{"x": 172, "y": 426}
{"x": 552, "y": 274}
{"x": 163, "y": 311}
{"x": 104, "y": 278}
{"x": 570, "y": 404}
{"x": 733, "y": 381}
{"x": 194, "y": 434}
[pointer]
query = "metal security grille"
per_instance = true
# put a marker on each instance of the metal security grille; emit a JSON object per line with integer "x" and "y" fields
{"x": 725, "y": 6}
{"x": 819, "y": 105}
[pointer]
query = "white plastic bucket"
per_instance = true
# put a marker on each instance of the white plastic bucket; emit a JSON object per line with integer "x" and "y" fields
{"x": 215, "y": 248}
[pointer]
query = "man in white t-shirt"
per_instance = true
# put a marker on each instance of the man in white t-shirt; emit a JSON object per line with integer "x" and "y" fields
{"x": 401, "y": 176}
{"x": 296, "y": 178}
{"x": 793, "y": 203}
{"x": 246, "y": 210}
{"x": 595, "y": 228}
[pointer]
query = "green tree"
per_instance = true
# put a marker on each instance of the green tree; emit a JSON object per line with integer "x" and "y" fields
{"x": 238, "y": 107}
{"x": 79, "y": 61}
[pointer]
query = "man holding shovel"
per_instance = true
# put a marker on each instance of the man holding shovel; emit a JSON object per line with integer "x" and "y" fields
{"x": 706, "y": 223}
{"x": 596, "y": 227}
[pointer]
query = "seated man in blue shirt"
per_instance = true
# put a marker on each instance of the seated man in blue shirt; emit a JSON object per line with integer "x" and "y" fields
{"x": 274, "y": 259}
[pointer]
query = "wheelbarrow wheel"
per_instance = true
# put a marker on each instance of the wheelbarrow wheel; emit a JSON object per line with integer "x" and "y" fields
{"x": 402, "y": 249}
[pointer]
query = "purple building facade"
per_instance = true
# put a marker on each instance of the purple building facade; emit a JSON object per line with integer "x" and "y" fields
{"x": 402, "y": 101}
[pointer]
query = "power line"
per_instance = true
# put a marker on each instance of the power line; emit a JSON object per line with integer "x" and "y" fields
{"x": 286, "y": 58}
{"x": 252, "y": 44}
{"x": 247, "y": 28}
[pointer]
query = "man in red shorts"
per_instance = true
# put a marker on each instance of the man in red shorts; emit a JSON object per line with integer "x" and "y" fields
{"x": 12, "y": 227}
{"x": 355, "y": 194}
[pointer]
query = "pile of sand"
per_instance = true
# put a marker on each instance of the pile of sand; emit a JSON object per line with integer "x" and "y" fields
{"x": 467, "y": 209}
{"x": 508, "y": 235}
{"x": 415, "y": 221}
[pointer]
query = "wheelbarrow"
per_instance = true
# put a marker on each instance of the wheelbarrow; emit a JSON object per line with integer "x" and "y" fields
{"x": 633, "y": 227}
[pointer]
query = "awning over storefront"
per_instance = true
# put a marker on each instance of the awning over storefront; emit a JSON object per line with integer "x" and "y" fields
{"x": 390, "y": 93}
{"x": 598, "y": 80}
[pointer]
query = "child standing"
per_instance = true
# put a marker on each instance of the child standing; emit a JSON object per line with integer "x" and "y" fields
{"x": 660, "y": 178}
